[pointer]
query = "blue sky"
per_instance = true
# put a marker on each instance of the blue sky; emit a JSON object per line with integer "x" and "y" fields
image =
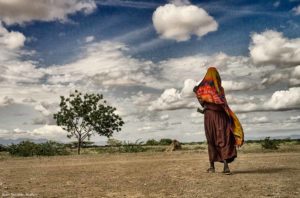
{"x": 59, "y": 42}
{"x": 145, "y": 57}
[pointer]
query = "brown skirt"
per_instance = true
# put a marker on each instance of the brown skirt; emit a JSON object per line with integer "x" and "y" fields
{"x": 220, "y": 140}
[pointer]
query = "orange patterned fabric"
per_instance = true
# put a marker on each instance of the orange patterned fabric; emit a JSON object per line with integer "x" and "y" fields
{"x": 211, "y": 90}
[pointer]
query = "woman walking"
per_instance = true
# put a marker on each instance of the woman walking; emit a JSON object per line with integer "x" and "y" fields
{"x": 222, "y": 128}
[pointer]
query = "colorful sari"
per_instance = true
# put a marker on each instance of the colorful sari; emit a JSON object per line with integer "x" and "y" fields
{"x": 210, "y": 90}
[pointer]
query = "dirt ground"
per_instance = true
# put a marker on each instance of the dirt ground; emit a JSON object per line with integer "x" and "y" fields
{"x": 178, "y": 174}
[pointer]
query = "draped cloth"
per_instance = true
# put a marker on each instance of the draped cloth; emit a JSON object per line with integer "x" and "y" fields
{"x": 210, "y": 90}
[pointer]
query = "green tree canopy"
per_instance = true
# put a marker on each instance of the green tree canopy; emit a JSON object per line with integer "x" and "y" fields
{"x": 84, "y": 115}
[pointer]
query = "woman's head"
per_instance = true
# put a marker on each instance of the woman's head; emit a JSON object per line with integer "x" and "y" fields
{"x": 213, "y": 75}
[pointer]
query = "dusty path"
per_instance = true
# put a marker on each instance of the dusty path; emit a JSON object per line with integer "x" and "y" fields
{"x": 178, "y": 174}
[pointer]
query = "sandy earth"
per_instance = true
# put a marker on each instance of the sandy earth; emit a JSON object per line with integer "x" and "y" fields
{"x": 177, "y": 174}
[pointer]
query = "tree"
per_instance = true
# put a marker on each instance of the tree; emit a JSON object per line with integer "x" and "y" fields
{"x": 84, "y": 115}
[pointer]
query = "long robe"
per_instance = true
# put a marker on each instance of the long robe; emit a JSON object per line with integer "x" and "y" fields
{"x": 220, "y": 139}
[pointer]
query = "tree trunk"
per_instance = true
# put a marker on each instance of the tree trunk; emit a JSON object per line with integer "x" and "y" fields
{"x": 79, "y": 145}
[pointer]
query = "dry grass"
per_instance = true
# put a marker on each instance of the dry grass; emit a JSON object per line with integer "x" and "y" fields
{"x": 151, "y": 174}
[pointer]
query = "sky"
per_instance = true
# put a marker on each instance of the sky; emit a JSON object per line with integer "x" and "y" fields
{"x": 145, "y": 57}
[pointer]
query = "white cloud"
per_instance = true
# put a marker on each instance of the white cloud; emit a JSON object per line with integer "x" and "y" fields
{"x": 107, "y": 66}
{"x": 11, "y": 40}
{"x": 194, "y": 67}
{"x": 171, "y": 99}
{"x": 271, "y": 47}
{"x": 180, "y": 22}
{"x": 12, "y": 69}
{"x": 20, "y": 11}
{"x": 296, "y": 10}
{"x": 188, "y": 86}
{"x": 42, "y": 108}
{"x": 50, "y": 132}
{"x": 285, "y": 99}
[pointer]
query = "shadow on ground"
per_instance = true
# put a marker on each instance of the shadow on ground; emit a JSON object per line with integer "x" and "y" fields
{"x": 263, "y": 170}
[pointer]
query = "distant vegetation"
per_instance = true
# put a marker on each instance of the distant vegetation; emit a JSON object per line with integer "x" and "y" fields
{"x": 164, "y": 141}
{"x": 51, "y": 148}
{"x": 270, "y": 144}
{"x": 28, "y": 148}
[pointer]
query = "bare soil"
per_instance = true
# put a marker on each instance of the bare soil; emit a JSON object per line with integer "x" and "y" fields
{"x": 177, "y": 174}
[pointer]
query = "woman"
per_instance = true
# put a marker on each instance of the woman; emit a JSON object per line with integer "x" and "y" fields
{"x": 222, "y": 128}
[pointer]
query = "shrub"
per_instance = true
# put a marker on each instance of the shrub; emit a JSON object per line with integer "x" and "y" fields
{"x": 3, "y": 148}
{"x": 270, "y": 144}
{"x": 28, "y": 148}
{"x": 128, "y": 147}
{"x": 51, "y": 148}
{"x": 165, "y": 141}
{"x": 25, "y": 148}
{"x": 152, "y": 142}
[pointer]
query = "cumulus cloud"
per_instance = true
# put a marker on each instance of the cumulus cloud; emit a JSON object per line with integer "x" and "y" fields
{"x": 11, "y": 40}
{"x": 188, "y": 86}
{"x": 12, "y": 68}
{"x": 179, "y": 21}
{"x": 20, "y": 11}
{"x": 46, "y": 111}
{"x": 50, "y": 132}
{"x": 194, "y": 67}
{"x": 171, "y": 99}
{"x": 285, "y": 99}
{"x": 271, "y": 47}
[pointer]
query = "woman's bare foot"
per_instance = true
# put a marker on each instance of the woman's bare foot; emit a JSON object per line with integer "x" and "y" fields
{"x": 226, "y": 170}
{"x": 211, "y": 169}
